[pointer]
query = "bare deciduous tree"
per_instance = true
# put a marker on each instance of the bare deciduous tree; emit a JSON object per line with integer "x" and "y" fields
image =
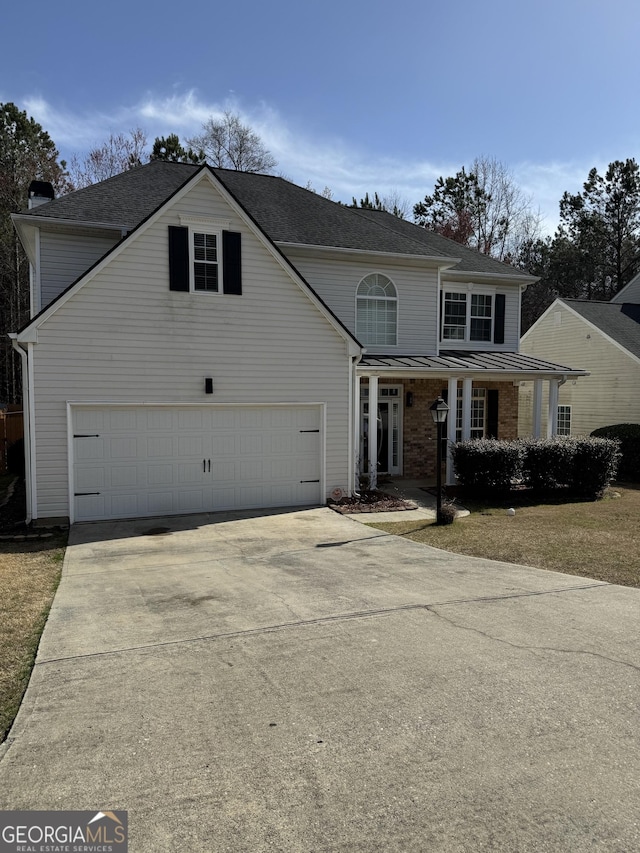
{"x": 116, "y": 155}
{"x": 230, "y": 144}
{"x": 483, "y": 208}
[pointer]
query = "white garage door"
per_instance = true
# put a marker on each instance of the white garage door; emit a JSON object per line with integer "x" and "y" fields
{"x": 133, "y": 461}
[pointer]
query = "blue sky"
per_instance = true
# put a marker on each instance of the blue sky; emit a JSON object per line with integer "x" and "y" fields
{"x": 357, "y": 96}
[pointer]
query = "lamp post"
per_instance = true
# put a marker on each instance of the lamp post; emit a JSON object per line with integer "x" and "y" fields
{"x": 439, "y": 411}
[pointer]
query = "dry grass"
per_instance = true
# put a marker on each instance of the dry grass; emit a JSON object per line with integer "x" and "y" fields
{"x": 29, "y": 575}
{"x": 593, "y": 539}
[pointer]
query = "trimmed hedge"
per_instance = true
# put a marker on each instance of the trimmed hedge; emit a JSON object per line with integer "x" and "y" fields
{"x": 629, "y": 437}
{"x": 546, "y": 462}
{"x": 486, "y": 465}
{"x": 585, "y": 466}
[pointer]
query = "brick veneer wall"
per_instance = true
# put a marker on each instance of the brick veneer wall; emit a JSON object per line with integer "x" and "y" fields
{"x": 419, "y": 430}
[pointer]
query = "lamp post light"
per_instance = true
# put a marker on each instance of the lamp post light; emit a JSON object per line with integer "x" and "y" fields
{"x": 439, "y": 411}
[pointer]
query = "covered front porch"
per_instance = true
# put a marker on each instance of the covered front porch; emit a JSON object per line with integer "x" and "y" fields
{"x": 481, "y": 390}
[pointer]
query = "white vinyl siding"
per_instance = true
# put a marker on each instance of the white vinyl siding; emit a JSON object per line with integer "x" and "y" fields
{"x": 126, "y": 337}
{"x": 608, "y": 396}
{"x": 63, "y": 258}
{"x": 336, "y": 281}
{"x": 478, "y": 316}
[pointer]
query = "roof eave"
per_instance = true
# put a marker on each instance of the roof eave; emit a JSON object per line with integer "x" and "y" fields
{"x": 516, "y": 277}
{"x": 442, "y": 261}
{"x": 36, "y": 221}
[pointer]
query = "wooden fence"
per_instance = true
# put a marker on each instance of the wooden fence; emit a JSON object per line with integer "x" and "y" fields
{"x": 11, "y": 430}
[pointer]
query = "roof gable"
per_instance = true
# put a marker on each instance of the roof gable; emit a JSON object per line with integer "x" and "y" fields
{"x": 197, "y": 174}
{"x": 618, "y": 321}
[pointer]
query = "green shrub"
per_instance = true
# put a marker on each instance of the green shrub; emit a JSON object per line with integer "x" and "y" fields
{"x": 629, "y": 437}
{"x": 486, "y": 465}
{"x": 582, "y": 466}
{"x": 595, "y": 461}
{"x": 546, "y": 462}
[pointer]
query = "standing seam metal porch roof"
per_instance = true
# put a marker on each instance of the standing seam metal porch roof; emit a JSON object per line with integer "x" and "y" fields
{"x": 450, "y": 361}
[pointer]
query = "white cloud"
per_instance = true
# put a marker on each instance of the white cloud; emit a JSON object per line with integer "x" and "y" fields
{"x": 348, "y": 169}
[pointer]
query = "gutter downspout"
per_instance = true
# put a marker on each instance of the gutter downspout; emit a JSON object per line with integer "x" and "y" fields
{"x": 27, "y": 414}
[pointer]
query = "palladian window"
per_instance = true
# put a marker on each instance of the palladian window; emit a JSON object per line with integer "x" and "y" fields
{"x": 377, "y": 311}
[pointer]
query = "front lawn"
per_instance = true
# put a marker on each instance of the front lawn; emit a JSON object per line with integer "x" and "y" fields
{"x": 594, "y": 539}
{"x": 29, "y": 574}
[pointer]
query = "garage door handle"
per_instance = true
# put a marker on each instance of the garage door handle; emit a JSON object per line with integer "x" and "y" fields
{"x": 204, "y": 466}
{"x": 86, "y": 436}
{"x": 309, "y": 481}
{"x": 209, "y": 466}
{"x": 309, "y": 430}
{"x": 82, "y": 494}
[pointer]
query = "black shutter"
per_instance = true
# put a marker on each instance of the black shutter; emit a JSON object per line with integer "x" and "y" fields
{"x": 498, "y": 323}
{"x": 492, "y": 414}
{"x": 178, "y": 258}
{"x": 232, "y": 260}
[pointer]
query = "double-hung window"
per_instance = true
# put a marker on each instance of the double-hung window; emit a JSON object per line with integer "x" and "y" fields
{"x": 564, "y": 420}
{"x": 470, "y": 316}
{"x": 205, "y": 263}
{"x": 204, "y": 256}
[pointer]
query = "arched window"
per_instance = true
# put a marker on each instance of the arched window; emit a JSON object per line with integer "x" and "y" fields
{"x": 377, "y": 311}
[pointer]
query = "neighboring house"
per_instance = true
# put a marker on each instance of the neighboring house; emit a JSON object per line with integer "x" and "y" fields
{"x": 604, "y": 339}
{"x": 204, "y": 339}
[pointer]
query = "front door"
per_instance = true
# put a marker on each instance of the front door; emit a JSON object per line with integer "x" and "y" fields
{"x": 388, "y": 425}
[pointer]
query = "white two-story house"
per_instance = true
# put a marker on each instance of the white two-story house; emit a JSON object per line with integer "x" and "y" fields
{"x": 204, "y": 339}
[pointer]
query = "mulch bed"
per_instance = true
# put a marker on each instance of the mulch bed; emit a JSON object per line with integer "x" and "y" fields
{"x": 373, "y": 501}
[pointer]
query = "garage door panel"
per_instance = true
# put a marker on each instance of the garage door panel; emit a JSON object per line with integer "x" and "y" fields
{"x": 88, "y": 448}
{"x": 160, "y": 475}
{"x": 90, "y": 479}
{"x": 191, "y": 445}
{"x": 128, "y": 475}
{"x": 160, "y": 503}
{"x": 124, "y": 448}
{"x": 161, "y": 447}
{"x": 142, "y": 461}
{"x": 223, "y": 444}
{"x": 122, "y": 420}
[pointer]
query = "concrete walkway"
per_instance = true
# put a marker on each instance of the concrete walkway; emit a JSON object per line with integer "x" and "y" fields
{"x": 300, "y": 682}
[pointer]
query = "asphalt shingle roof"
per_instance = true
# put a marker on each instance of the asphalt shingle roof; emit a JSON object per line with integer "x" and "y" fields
{"x": 618, "y": 320}
{"x": 286, "y": 212}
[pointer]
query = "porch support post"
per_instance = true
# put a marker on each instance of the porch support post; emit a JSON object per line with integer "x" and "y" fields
{"x": 467, "y": 387}
{"x": 537, "y": 408}
{"x": 373, "y": 432}
{"x": 357, "y": 429}
{"x": 452, "y": 396}
{"x": 552, "y": 421}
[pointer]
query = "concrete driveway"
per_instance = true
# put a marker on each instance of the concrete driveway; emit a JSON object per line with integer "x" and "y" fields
{"x": 301, "y": 682}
